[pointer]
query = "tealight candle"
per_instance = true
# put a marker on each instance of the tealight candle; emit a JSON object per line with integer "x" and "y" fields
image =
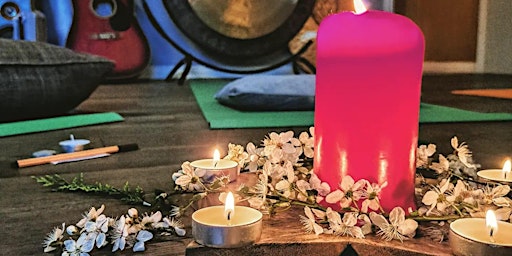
{"x": 227, "y": 226}
{"x": 73, "y": 144}
{"x": 478, "y": 236}
{"x": 217, "y": 167}
{"x": 497, "y": 175}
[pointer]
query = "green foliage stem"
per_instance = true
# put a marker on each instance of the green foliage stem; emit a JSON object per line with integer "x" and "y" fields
{"x": 126, "y": 194}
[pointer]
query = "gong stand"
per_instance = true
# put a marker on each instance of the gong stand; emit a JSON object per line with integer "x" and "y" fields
{"x": 299, "y": 63}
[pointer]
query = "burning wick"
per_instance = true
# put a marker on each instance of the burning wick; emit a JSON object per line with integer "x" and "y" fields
{"x": 492, "y": 224}
{"x": 229, "y": 218}
{"x": 216, "y": 158}
{"x": 506, "y": 168}
{"x": 229, "y": 208}
{"x": 491, "y": 235}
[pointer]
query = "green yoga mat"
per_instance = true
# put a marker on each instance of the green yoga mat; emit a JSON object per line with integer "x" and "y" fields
{"x": 56, "y": 123}
{"x": 222, "y": 117}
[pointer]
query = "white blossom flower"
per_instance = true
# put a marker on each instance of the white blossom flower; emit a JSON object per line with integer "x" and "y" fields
{"x": 496, "y": 195}
{"x": 53, "y": 237}
{"x": 236, "y": 153}
{"x": 255, "y": 159}
{"x": 120, "y": 232}
{"x": 260, "y": 190}
{"x": 97, "y": 230}
{"x": 365, "y": 223}
{"x": 90, "y": 216}
{"x": 189, "y": 178}
{"x": 345, "y": 226}
{"x": 176, "y": 225}
{"x": 286, "y": 185}
{"x": 142, "y": 237}
{"x": 422, "y": 155}
{"x": 461, "y": 194}
{"x": 398, "y": 227}
{"x": 175, "y": 211}
{"x": 436, "y": 198}
{"x": 371, "y": 195}
{"x": 302, "y": 187}
{"x": 442, "y": 166}
{"x": 309, "y": 222}
{"x": 462, "y": 151}
{"x": 349, "y": 192}
{"x": 151, "y": 220}
{"x": 277, "y": 146}
{"x": 321, "y": 187}
{"x": 308, "y": 143}
{"x": 81, "y": 247}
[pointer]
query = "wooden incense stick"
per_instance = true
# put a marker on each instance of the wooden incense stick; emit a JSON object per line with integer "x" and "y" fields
{"x": 79, "y": 154}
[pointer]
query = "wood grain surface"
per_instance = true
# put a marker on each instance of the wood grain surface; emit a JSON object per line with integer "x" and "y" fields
{"x": 165, "y": 121}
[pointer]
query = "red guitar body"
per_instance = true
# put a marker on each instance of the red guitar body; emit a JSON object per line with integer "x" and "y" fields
{"x": 109, "y": 28}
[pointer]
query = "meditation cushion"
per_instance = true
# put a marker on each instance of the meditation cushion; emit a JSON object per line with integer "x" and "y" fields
{"x": 40, "y": 80}
{"x": 269, "y": 93}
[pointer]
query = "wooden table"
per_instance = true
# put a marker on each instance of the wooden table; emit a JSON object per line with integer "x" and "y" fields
{"x": 165, "y": 121}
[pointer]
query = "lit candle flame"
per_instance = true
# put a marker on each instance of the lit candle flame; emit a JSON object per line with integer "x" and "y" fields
{"x": 359, "y": 7}
{"x": 506, "y": 168}
{"x": 216, "y": 157}
{"x": 491, "y": 223}
{"x": 229, "y": 207}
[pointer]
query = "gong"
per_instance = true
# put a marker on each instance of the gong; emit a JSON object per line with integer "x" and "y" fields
{"x": 235, "y": 30}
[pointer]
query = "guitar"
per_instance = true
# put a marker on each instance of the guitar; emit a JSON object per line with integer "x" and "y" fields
{"x": 20, "y": 21}
{"x": 109, "y": 28}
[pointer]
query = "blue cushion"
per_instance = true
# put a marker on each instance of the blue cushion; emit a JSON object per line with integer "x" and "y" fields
{"x": 269, "y": 93}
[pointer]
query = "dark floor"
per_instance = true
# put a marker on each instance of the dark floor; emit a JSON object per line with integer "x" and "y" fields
{"x": 165, "y": 121}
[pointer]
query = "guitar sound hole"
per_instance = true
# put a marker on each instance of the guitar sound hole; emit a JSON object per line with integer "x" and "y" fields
{"x": 10, "y": 10}
{"x": 104, "y": 8}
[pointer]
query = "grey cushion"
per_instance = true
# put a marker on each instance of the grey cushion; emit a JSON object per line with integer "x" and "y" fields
{"x": 39, "y": 79}
{"x": 269, "y": 93}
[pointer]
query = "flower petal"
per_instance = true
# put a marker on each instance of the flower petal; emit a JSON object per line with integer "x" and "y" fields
{"x": 87, "y": 246}
{"x": 139, "y": 247}
{"x": 309, "y": 213}
{"x": 397, "y": 216}
{"x": 180, "y": 231}
{"x": 430, "y": 198}
{"x": 378, "y": 220}
{"x": 334, "y": 196}
{"x": 101, "y": 240}
{"x": 408, "y": 227}
{"x": 144, "y": 236}
{"x": 501, "y": 190}
{"x": 350, "y": 219}
{"x": 70, "y": 245}
{"x": 183, "y": 180}
{"x": 346, "y": 183}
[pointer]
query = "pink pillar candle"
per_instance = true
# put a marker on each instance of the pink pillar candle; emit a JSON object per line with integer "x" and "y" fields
{"x": 368, "y": 85}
